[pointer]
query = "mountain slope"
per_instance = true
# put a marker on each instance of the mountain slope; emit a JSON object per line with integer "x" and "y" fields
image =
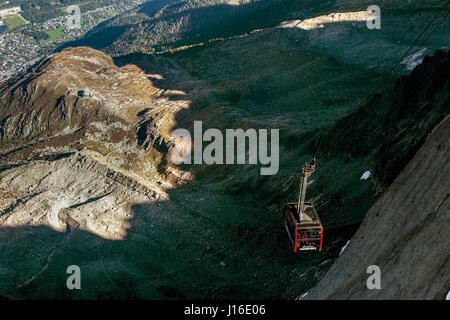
{"x": 157, "y": 26}
{"x": 405, "y": 233}
{"x": 84, "y": 176}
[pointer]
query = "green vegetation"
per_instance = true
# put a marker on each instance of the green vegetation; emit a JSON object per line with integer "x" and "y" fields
{"x": 46, "y": 36}
{"x": 37, "y": 35}
{"x": 54, "y": 34}
{"x": 146, "y": 31}
{"x": 14, "y": 21}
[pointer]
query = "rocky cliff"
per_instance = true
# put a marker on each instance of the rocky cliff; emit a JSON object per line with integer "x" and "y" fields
{"x": 76, "y": 117}
{"x": 405, "y": 233}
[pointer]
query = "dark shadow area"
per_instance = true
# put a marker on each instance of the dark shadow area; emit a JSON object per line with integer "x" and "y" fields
{"x": 196, "y": 245}
{"x": 97, "y": 39}
{"x": 175, "y": 250}
{"x": 151, "y": 8}
{"x": 168, "y": 253}
{"x": 198, "y": 24}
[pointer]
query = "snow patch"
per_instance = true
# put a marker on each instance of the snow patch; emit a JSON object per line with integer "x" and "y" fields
{"x": 343, "y": 248}
{"x": 302, "y": 296}
{"x": 365, "y": 175}
{"x": 414, "y": 60}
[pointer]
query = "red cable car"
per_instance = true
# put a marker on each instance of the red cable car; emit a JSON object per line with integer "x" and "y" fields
{"x": 301, "y": 219}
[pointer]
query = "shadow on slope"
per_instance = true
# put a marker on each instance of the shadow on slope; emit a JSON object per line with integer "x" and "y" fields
{"x": 163, "y": 236}
{"x": 147, "y": 31}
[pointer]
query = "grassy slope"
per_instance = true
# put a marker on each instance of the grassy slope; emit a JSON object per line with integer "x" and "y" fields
{"x": 193, "y": 22}
{"x": 233, "y": 86}
{"x": 228, "y": 80}
{"x": 286, "y": 79}
{"x": 14, "y": 21}
{"x": 55, "y": 34}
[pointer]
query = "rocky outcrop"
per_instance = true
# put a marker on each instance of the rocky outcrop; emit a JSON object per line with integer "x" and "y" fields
{"x": 78, "y": 134}
{"x": 71, "y": 89}
{"x": 78, "y": 99}
{"x": 405, "y": 233}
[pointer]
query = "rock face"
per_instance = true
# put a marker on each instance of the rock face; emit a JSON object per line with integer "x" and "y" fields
{"x": 69, "y": 192}
{"x": 71, "y": 89}
{"x": 73, "y": 121}
{"x": 405, "y": 233}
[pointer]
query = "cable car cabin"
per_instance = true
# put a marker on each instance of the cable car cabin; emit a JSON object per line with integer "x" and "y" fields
{"x": 301, "y": 219}
{"x": 306, "y": 230}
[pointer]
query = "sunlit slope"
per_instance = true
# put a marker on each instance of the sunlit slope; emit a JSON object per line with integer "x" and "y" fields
{"x": 158, "y": 26}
